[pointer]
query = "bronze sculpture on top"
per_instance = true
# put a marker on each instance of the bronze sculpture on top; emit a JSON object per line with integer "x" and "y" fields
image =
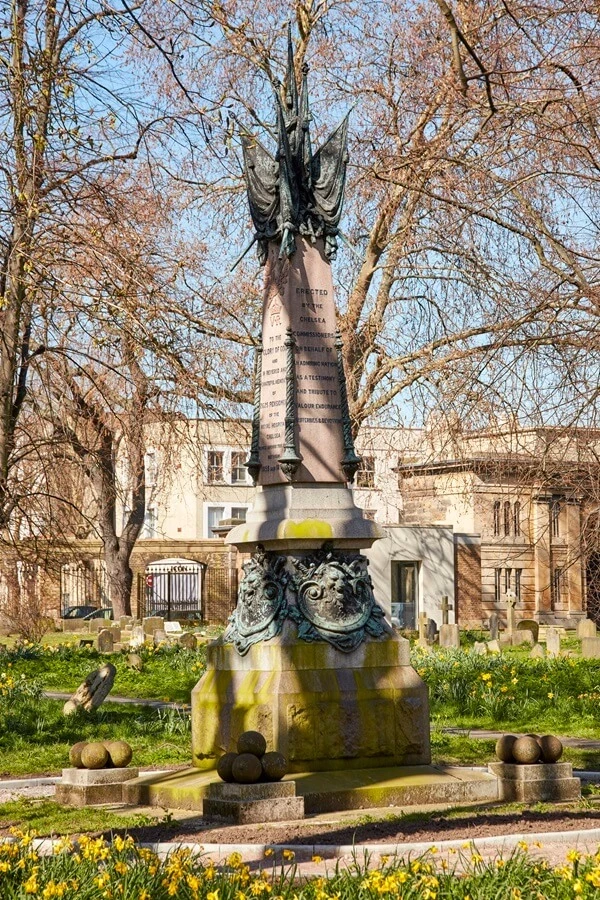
{"x": 302, "y": 456}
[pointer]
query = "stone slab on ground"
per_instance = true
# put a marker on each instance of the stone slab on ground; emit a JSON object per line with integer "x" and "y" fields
{"x": 331, "y": 791}
{"x": 93, "y": 787}
{"x": 541, "y": 781}
{"x": 250, "y": 804}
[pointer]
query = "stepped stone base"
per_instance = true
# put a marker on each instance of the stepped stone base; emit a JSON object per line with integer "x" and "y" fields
{"x": 93, "y": 787}
{"x": 251, "y": 804}
{"x": 322, "y": 708}
{"x": 541, "y": 781}
{"x": 330, "y": 792}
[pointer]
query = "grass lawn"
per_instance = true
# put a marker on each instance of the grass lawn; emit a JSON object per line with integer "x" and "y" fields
{"x": 46, "y": 817}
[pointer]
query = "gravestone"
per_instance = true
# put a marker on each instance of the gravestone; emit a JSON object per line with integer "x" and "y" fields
{"x": 187, "y": 640}
{"x": 586, "y": 629}
{"x": 431, "y": 631}
{"x": 93, "y": 692}
{"x": 159, "y": 637}
{"x": 449, "y": 636}
{"x": 151, "y": 624}
{"x": 422, "y": 624}
{"x": 173, "y": 629}
{"x": 105, "y": 642}
{"x": 523, "y": 636}
{"x": 480, "y": 648}
{"x": 494, "y": 626}
{"x": 537, "y": 652}
{"x": 137, "y": 636}
{"x": 126, "y": 622}
{"x": 116, "y": 633}
{"x": 511, "y": 602}
{"x": 590, "y": 647}
{"x": 446, "y": 608}
{"x": 552, "y": 642}
{"x": 494, "y": 647}
{"x": 532, "y": 626}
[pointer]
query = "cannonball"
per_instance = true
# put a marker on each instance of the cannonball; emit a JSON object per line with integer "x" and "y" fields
{"x": 75, "y": 754}
{"x": 551, "y": 748}
{"x": 526, "y": 750}
{"x": 225, "y": 766}
{"x": 536, "y": 737}
{"x": 119, "y": 753}
{"x": 94, "y": 756}
{"x": 504, "y": 747}
{"x": 252, "y": 742}
{"x": 274, "y": 765}
{"x": 246, "y": 768}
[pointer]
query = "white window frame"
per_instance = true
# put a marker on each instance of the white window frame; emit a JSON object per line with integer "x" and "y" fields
{"x": 227, "y": 506}
{"x": 227, "y": 452}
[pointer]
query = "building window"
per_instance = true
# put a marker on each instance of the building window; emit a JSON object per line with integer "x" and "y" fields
{"x": 238, "y": 469}
{"x": 555, "y": 518}
{"x": 506, "y": 518}
{"x": 518, "y": 583}
{"x": 215, "y": 466}
{"x": 405, "y": 587}
{"x": 239, "y": 512}
{"x": 497, "y": 583}
{"x": 149, "y": 526}
{"x": 365, "y": 477}
{"x": 507, "y": 580}
{"x": 150, "y": 468}
{"x": 558, "y": 585}
{"x": 517, "y": 518}
{"x": 214, "y": 516}
{"x": 497, "y": 518}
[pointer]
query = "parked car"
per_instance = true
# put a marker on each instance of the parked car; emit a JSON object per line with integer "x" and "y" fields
{"x": 178, "y": 615}
{"x": 79, "y": 612}
{"x": 104, "y": 612}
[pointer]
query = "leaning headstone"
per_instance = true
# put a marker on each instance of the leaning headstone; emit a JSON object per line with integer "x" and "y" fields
{"x": 532, "y": 626}
{"x": 494, "y": 625}
{"x": 153, "y": 623}
{"x": 137, "y": 636}
{"x": 449, "y": 636}
{"x": 105, "y": 641}
{"x": 552, "y": 642}
{"x": 159, "y": 637}
{"x": 135, "y": 662}
{"x": 586, "y": 629}
{"x": 116, "y": 633}
{"x": 93, "y": 692}
{"x": 537, "y": 652}
{"x": 590, "y": 648}
{"x": 480, "y": 648}
{"x": 493, "y": 647}
{"x": 188, "y": 640}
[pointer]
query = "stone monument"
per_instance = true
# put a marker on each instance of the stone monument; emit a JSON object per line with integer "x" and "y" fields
{"x": 308, "y": 658}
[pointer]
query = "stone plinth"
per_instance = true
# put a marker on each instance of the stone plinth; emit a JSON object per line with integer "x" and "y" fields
{"x": 541, "y": 781}
{"x": 93, "y": 787}
{"x": 251, "y": 804}
{"x": 322, "y": 708}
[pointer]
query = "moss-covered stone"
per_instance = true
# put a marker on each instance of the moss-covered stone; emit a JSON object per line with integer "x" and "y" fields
{"x": 120, "y": 753}
{"x": 75, "y": 754}
{"x": 94, "y": 756}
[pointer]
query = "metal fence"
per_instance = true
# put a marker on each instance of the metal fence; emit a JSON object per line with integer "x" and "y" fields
{"x": 173, "y": 589}
{"x": 83, "y": 584}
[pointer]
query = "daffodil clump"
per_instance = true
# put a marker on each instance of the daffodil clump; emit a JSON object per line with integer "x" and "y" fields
{"x": 92, "y": 868}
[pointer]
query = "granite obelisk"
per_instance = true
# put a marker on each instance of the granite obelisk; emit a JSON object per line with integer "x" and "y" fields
{"x": 307, "y": 658}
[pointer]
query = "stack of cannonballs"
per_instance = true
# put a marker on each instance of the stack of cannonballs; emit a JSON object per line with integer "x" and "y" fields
{"x": 100, "y": 755}
{"x": 252, "y": 763}
{"x": 529, "y": 749}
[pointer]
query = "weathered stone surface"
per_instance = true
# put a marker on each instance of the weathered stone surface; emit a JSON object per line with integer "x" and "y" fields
{"x": 150, "y": 624}
{"x": 225, "y": 766}
{"x": 188, "y": 640}
{"x": 449, "y": 636}
{"x": 526, "y": 750}
{"x": 586, "y": 629}
{"x": 529, "y": 783}
{"x": 75, "y": 754}
{"x": 480, "y": 648}
{"x": 252, "y": 742}
{"x": 504, "y": 747}
{"x": 94, "y": 755}
{"x": 246, "y": 768}
{"x": 532, "y": 626}
{"x": 322, "y": 708}
{"x": 522, "y": 636}
{"x": 493, "y": 647}
{"x": 85, "y": 787}
{"x": 138, "y": 636}
{"x": 126, "y": 622}
{"x": 551, "y": 748}
{"x": 537, "y": 652}
{"x": 552, "y": 642}
{"x": 135, "y": 661}
{"x": 120, "y": 753}
{"x": 239, "y": 812}
{"x": 250, "y": 792}
{"x": 87, "y": 777}
{"x": 494, "y": 626}
{"x": 590, "y": 647}
{"x": 104, "y": 641}
{"x": 93, "y": 692}
{"x": 173, "y": 629}
{"x": 274, "y": 765}
{"x": 159, "y": 637}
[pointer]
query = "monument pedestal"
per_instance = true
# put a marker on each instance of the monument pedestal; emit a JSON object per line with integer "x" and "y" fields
{"x": 251, "y": 804}
{"x": 322, "y": 708}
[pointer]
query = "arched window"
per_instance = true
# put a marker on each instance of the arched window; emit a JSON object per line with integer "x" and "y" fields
{"x": 517, "y": 517}
{"x": 497, "y": 518}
